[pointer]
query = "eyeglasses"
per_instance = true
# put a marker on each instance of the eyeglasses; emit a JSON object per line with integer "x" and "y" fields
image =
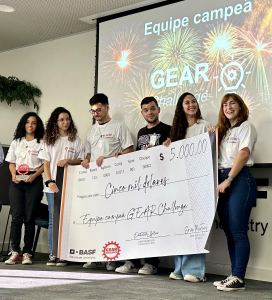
{"x": 97, "y": 111}
{"x": 64, "y": 120}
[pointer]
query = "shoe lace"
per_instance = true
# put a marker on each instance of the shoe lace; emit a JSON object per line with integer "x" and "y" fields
{"x": 27, "y": 255}
{"x": 12, "y": 254}
{"x": 227, "y": 279}
{"x": 148, "y": 266}
{"x": 233, "y": 280}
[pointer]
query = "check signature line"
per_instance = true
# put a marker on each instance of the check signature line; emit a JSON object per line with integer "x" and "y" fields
{"x": 148, "y": 238}
{"x": 191, "y": 232}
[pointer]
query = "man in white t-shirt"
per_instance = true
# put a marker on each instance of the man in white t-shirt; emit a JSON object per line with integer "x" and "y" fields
{"x": 106, "y": 138}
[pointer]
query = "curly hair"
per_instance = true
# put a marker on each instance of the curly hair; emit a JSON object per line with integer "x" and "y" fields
{"x": 223, "y": 122}
{"x": 180, "y": 123}
{"x": 52, "y": 130}
{"x": 20, "y": 131}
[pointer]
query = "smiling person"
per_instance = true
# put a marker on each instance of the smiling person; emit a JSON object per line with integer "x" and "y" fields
{"x": 61, "y": 146}
{"x": 237, "y": 189}
{"x": 106, "y": 138}
{"x": 153, "y": 134}
{"x": 187, "y": 123}
{"x": 25, "y": 195}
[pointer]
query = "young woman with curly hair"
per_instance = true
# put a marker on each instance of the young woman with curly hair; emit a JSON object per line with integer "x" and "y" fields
{"x": 187, "y": 123}
{"x": 25, "y": 195}
{"x": 237, "y": 189}
{"x": 61, "y": 146}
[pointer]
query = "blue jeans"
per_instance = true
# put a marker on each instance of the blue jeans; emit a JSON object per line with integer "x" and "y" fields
{"x": 190, "y": 265}
{"x": 50, "y": 200}
{"x": 234, "y": 209}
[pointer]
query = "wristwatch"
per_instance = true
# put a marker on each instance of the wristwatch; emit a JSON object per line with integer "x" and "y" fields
{"x": 48, "y": 181}
{"x": 230, "y": 179}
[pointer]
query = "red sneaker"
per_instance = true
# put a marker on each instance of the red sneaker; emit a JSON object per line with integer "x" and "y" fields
{"x": 26, "y": 259}
{"x": 14, "y": 258}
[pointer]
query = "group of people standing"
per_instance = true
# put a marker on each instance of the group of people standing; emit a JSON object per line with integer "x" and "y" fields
{"x": 58, "y": 144}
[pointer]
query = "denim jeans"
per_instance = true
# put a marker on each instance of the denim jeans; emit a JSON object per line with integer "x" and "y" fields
{"x": 234, "y": 209}
{"x": 24, "y": 201}
{"x": 50, "y": 200}
{"x": 190, "y": 265}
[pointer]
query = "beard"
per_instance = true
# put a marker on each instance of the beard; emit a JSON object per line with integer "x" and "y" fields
{"x": 153, "y": 121}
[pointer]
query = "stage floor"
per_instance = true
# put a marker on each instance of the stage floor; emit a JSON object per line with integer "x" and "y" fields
{"x": 38, "y": 281}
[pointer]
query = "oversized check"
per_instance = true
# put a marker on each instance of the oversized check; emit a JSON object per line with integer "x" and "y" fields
{"x": 149, "y": 203}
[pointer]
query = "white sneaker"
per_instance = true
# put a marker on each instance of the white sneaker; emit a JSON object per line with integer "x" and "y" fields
{"x": 148, "y": 269}
{"x": 13, "y": 259}
{"x": 127, "y": 267}
{"x": 223, "y": 282}
{"x": 173, "y": 276}
{"x": 27, "y": 259}
{"x": 111, "y": 265}
{"x": 192, "y": 278}
{"x": 94, "y": 265}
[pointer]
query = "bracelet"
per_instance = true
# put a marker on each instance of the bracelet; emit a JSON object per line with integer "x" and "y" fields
{"x": 230, "y": 179}
{"x": 49, "y": 181}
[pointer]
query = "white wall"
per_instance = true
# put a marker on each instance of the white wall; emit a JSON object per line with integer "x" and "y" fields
{"x": 64, "y": 71}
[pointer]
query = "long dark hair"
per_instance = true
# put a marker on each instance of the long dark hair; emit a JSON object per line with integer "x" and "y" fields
{"x": 223, "y": 122}
{"x": 20, "y": 131}
{"x": 180, "y": 123}
{"x": 52, "y": 131}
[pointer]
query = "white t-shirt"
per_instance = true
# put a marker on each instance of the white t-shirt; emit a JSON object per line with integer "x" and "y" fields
{"x": 201, "y": 126}
{"x": 107, "y": 139}
{"x": 24, "y": 152}
{"x": 242, "y": 135}
{"x": 62, "y": 149}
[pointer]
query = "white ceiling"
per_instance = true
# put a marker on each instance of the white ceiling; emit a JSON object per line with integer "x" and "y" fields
{"x": 36, "y": 21}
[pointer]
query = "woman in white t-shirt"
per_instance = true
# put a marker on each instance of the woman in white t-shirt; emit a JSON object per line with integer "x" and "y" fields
{"x": 61, "y": 146}
{"x": 237, "y": 189}
{"x": 187, "y": 123}
{"x": 25, "y": 195}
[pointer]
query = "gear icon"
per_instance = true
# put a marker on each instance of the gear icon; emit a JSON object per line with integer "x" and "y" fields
{"x": 232, "y": 75}
{"x": 111, "y": 251}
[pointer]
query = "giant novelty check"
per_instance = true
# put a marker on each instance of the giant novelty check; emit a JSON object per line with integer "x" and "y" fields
{"x": 149, "y": 203}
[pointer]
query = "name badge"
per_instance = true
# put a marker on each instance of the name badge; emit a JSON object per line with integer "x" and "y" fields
{"x": 152, "y": 141}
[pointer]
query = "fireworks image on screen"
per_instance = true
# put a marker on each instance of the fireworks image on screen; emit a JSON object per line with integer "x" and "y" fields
{"x": 176, "y": 50}
{"x": 250, "y": 101}
{"x": 220, "y": 44}
{"x": 123, "y": 54}
{"x": 256, "y": 43}
{"x": 139, "y": 89}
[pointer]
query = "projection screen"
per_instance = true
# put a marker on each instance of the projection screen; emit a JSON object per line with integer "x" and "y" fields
{"x": 205, "y": 47}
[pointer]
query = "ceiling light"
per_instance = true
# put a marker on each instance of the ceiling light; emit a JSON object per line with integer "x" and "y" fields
{"x": 6, "y": 8}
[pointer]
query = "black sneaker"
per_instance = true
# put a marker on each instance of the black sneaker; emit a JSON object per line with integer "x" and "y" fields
{"x": 234, "y": 284}
{"x": 52, "y": 261}
{"x": 222, "y": 282}
{"x": 61, "y": 263}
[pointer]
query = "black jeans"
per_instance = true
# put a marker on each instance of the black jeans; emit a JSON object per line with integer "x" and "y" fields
{"x": 24, "y": 201}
